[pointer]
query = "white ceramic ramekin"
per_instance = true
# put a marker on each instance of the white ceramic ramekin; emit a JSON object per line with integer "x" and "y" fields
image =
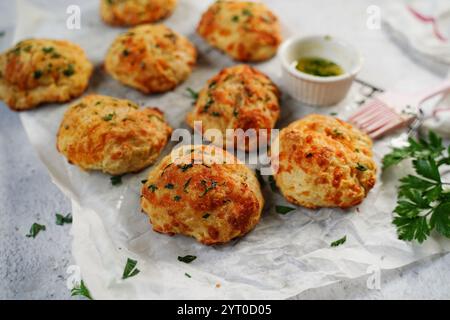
{"x": 315, "y": 90}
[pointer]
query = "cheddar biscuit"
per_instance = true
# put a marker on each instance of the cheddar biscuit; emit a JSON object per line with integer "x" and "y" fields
{"x": 112, "y": 135}
{"x": 134, "y": 12}
{"x": 246, "y": 31}
{"x": 151, "y": 58}
{"x": 38, "y": 71}
{"x": 202, "y": 192}
{"x": 324, "y": 162}
{"x": 239, "y": 97}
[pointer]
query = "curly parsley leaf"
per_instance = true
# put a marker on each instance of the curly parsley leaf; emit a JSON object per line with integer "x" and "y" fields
{"x": 339, "y": 242}
{"x": 423, "y": 203}
{"x": 35, "y": 229}
{"x": 130, "y": 269}
{"x": 61, "y": 220}
{"x": 187, "y": 259}
{"x": 81, "y": 290}
{"x": 283, "y": 209}
{"x": 194, "y": 94}
{"x": 116, "y": 180}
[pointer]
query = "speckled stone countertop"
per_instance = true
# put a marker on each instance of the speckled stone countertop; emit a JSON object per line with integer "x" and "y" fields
{"x": 36, "y": 268}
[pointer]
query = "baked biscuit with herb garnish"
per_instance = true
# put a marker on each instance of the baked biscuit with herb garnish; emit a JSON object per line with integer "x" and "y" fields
{"x": 202, "y": 192}
{"x": 239, "y": 97}
{"x": 112, "y": 135}
{"x": 246, "y": 31}
{"x": 151, "y": 58}
{"x": 38, "y": 71}
{"x": 324, "y": 162}
{"x": 134, "y": 12}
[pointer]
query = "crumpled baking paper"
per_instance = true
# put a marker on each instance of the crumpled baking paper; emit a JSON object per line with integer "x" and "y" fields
{"x": 283, "y": 256}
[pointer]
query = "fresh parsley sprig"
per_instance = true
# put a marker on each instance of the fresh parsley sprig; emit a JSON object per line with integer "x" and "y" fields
{"x": 81, "y": 290}
{"x": 423, "y": 201}
{"x": 130, "y": 269}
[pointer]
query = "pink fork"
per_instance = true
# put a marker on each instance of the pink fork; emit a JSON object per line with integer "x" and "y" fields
{"x": 390, "y": 111}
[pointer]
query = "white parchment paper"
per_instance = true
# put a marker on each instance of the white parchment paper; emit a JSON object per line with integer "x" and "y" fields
{"x": 283, "y": 256}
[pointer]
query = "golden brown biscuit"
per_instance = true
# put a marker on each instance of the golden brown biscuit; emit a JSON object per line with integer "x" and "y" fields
{"x": 134, "y": 12}
{"x": 246, "y": 31}
{"x": 151, "y": 58}
{"x": 112, "y": 135}
{"x": 204, "y": 193}
{"x": 38, "y": 71}
{"x": 239, "y": 97}
{"x": 324, "y": 162}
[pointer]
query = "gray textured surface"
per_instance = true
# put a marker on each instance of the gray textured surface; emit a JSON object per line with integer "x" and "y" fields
{"x": 36, "y": 268}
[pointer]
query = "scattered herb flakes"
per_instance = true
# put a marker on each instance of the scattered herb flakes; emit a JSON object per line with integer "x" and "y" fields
{"x": 273, "y": 184}
{"x": 61, "y": 220}
{"x": 235, "y": 18}
{"x": 337, "y": 133}
{"x": 165, "y": 168}
{"x": 152, "y": 187}
{"x": 125, "y": 53}
{"x": 35, "y": 229}
{"x": 206, "y": 216}
{"x": 187, "y": 259}
{"x": 81, "y": 290}
{"x": 186, "y": 185}
{"x": 187, "y": 275}
{"x": 216, "y": 114}
{"x": 334, "y": 114}
{"x": 309, "y": 155}
{"x": 48, "y": 49}
{"x": 185, "y": 167}
{"x": 116, "y": 180}
{"x": 69, "y": 71}
{"x": 171, "y": 36}
{"x": 130, "y": 269}
{"x": 212, "y": 186}
{"x": 339, "y": 242}
{"x": 208, "y": 104}
{"x": 361, "y": 167}
{"x": 169, "y": 186}
{"x": 194, "y": 94}
{"x": 212, "y": 85}
{"x": 37, "y": 74}
{"x": 144, "y": 181}
{"x": 247, "y": 12}
{"x": 235, "y": 113}
{"x": 109, "y": 117}
{"x": 283, "y": 209}
{"x": 177, "y": 198}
